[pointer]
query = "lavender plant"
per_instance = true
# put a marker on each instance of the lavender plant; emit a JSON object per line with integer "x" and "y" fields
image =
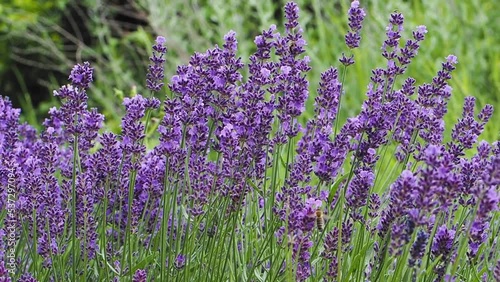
{"x": 236, "y": 188}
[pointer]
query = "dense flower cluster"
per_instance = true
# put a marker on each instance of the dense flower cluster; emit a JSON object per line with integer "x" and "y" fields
{"x": 155, "y": 75}
{"x": 233, "y": 171}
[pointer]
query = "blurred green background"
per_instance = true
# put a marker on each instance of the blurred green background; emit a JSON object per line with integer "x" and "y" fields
{"x": 41, "y": 40}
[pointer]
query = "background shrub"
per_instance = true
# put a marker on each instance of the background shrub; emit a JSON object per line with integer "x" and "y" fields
{"x": 41, "y": 42}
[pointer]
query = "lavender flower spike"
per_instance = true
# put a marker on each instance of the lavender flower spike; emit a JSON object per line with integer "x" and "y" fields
{"x": 356, "y": 17}
{"x": 26, "y": 278}
{"x": 418, "y": 248}
{"x": 155, "y": 74}
{"x": 443, "y": 241}
{"x": 180, "y": 261}
{"x": 81, "y": 75}
{"x": 496, "y": 273}
{"x": 140, "y": 276}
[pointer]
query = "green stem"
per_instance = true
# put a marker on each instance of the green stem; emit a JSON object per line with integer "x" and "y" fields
{"x": 103, "y": 228}
{"x": 128, "y": 232}
{"x": 463, "y": 243}
{"x": 165, "y": 215}
{"x": 35, "y": 240}
{"x": 73, "y": 208}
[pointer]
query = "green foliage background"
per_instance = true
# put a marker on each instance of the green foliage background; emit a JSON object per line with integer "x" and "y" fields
{"x": 115, "y": 36}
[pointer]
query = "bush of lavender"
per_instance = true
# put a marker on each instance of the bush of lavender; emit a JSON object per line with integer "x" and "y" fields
{"x": 233, "y": 187}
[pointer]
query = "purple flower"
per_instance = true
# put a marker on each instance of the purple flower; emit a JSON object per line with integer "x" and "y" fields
{"x": 292, "y": 82}
{"x": 496, "y": 272}
{"x": 4, "y": 276}
{"x": 315, "y": 142}
{"x": 491, "y": 173}
{"x": 449, "y": 278}
{"x": 170, "y": 129}
{"x": 352, "y": 40}
{"x": 346, "y": 60}
{"x": 81, "y": 75}
{"x": 356, "y": 16}
{"x": 303, "y": 271}
{"x": 327, "y": 101}
{"x": 410, "y": 50}
{"x": 292, "y": 16}
{"x": 398, "y": 237}
{"x": 140, "y": 275}
{"x": 402, "y": 193}
{"x": 443, "y": 241}
{"x": 73, "y": 113}
{"x": 477, "y": 235}
{"x": 85, "y": 220}
{"x": 155, "y": 74}
{"x": 393, "y": 32}
{"x": 219, "y": 139}
{"x": 53, "y": 208}
{"x": 479, "y": 229}
{"x": 347, "y": 232}
{"x": 313, "y": 204}
{"x": 180, "y": 261}
{"x": 467, "y": 129}
{"x": 73, "y": 107}
{"x": 485, "y": 113}
{"x": 359, "y": 187}
{"x": 332, "y": 268}
{"x": 330, "y": 244}
{"x": 301, "y": 255}
{"x": 132, "y": 127}
{"x": 27, "y": 278}
{"x": 439, "y": 182}
{"x": 418, "y": 248}
{"x": 108, "y": 158}
{"x": 374, "y": 205}
{"x": 488, "y": 204}
{"x": 9, "y": 122}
